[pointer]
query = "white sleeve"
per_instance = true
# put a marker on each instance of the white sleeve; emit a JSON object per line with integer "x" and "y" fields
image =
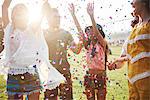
{"x": 124, "y": 49}
{"x": 7, "y": 32}
{"x": 5, "y": 54}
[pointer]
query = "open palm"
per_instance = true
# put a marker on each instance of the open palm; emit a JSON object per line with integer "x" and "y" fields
{"x": 90, "y": 9}
{"x": 71, "y": 8}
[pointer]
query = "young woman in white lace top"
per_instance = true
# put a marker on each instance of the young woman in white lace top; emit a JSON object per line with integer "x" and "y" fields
{"x": 26, "y": 56}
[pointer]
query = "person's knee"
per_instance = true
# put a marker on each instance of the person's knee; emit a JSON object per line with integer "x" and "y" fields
{"x": 34, "y": 96}
{"x": 101, "y": 94}
{"x": 51, "y": 98}
{"x": 51, "y": 94}
{"x": 66, "y": 91}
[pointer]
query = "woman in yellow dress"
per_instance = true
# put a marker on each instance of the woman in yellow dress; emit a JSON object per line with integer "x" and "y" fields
{"x": 136, "y": 51}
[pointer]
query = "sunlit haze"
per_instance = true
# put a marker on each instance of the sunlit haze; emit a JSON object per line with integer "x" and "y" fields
{"x": 113, "y": 15}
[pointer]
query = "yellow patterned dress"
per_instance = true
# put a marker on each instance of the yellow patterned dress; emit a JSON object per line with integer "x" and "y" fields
{"x": 138, "y": 52}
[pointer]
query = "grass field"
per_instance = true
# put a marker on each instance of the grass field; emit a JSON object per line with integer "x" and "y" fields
{"x": 117, "y": 88}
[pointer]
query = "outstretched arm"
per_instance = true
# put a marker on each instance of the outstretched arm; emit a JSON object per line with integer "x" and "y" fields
{"x": 90, "y": 11}
{"x": 5, "y": 16}
{"x": 37, "y": 24}
{"x": 76, "y": 48}
{"x": 72, "y": 11}
{"x": 118, "y": 63}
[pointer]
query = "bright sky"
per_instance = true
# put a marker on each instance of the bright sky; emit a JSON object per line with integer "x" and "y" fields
{"x": 113, "y": 15}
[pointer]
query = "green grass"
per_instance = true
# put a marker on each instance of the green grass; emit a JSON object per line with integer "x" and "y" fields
{"x": 2, "y": 88}
{"x": 117, "y": 88}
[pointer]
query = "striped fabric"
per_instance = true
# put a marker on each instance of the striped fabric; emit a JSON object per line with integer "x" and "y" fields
{"x": 138, "y": 52}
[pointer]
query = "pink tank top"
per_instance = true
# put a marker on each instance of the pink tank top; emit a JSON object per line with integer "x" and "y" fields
{"x": 98, "y": 60}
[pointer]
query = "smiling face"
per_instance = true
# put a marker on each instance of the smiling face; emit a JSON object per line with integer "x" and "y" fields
{"x": 54, "y": 18}
{"x": 140, "y": 6}
{"x": 20, "y": 16}
{"x": 136, "y": 4}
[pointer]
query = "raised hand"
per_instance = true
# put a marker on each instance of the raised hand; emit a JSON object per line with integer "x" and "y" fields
{"x": 90, "y": 9}
{"x": 5, "y": 14}
{"x": 45, "y": 1}
{"x": 72, "y": 11}
{"x": 71, "y": 8}
{"x": 7, "y": 2}
{"x": 46, "y": 4}
{"x": 46, "y": 7}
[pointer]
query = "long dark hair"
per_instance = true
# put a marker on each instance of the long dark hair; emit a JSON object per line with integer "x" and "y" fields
{"x": 87, "y": 30}
{"x": 94, "y": 41}
{"x": 100, "y": 29}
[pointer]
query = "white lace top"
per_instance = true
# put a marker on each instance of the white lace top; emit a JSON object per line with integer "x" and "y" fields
{"x": 26, "y": 51}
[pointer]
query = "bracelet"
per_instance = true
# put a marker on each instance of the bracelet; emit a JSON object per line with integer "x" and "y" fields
{"x": 72, "y": 14}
